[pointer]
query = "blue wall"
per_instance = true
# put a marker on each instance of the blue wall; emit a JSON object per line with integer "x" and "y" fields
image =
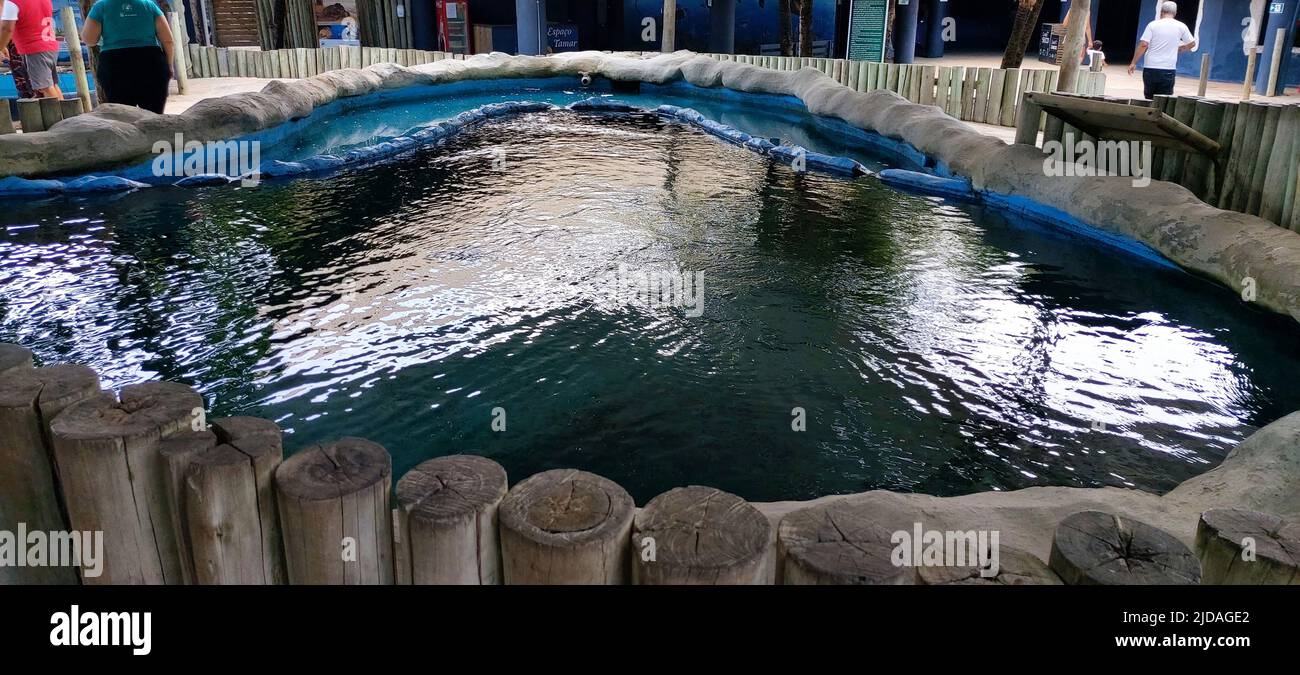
{"x": 756, "y": 24}
{"x": 1222, "y": 32}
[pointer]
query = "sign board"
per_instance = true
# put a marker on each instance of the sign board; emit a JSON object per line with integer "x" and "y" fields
{"x": 867, "y": 22}
{"x": 562, "y": 37}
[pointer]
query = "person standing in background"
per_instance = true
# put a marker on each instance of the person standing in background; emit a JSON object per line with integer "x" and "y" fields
{"x": 30, "y": 24}
{"x": 135, "y": 58}
{"x": 10, "y": 57}
{"x": 1162, "y": 41}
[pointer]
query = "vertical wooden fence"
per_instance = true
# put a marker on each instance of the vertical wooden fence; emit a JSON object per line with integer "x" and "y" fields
{"x": 971, "y": 94}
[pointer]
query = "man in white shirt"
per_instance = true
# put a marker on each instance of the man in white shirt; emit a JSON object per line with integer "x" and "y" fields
{"x": 1162, "y": 41}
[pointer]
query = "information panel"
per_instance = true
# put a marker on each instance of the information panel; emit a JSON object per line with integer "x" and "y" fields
{"x": 867, "y": 19}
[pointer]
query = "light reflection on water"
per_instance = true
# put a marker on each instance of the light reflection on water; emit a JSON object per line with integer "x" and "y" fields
{"x": 934, "y": 347}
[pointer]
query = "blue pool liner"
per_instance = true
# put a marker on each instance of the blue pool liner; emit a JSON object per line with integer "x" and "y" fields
{"x": 772, "y": 148}
{"x": 930, "y": 184}
{"x": 912, "y": 163}
{"x": 431, "y": 134}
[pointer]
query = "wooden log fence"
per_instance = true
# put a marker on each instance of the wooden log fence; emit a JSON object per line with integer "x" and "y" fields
{"x": 298, "y": 62}
{"x": 182, "y": 501}
{"x": 1257, "y": 167}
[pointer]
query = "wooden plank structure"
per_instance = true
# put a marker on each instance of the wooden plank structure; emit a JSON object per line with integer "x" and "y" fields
{"x": 1115, "y": 120}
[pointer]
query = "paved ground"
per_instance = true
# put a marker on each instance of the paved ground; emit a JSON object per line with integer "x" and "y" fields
{"x": 210, "y": 87}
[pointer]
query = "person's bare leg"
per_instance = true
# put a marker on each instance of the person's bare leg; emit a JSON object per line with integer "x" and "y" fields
{"x": 51, "y": 91}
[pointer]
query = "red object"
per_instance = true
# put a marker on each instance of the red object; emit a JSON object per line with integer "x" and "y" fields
{"x": 453, "y": 27}
{"x": 34, "y": 30}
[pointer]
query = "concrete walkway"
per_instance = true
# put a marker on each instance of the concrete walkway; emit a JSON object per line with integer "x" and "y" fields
{"x": 211, "y": 87}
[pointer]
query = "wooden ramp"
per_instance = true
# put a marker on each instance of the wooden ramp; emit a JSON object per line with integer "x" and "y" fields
{"x": 1112, "y": 120}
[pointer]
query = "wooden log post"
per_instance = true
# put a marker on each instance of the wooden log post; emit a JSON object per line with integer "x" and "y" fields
{"x": 1096, "y": 548}
{"x": 1172, "y": 167}
{"x": 1011, "y": 83}
{"x": 229, "y": 505}
{"x": 29, "y": 115}
{"x": 71, "y": 107}
{"x": 1248, "y": 84}
{"x": 1278, "y": 171}
{"x": 1074, "y": 44}
{"x": 1227, "y": 132}
{"x": 176, "y": 452}
{"x": 1242, "y": 165}
{"x": 114, "y": 479}
{"x": 222, "y": 518}
{"x": 566, "y": 527}
{"x": 1204, "y": 84}
{"x": 14, "y": 358}
{"x": 6, "y": 122}
{"x": 334, "y": 513}
{"x": 178, "y": 51}
{"x": 1054, "y": 130}
{"x": 1236, "y": 546}
{"x": 73, "y": 39}
{"x": 836, "y": 544}
{"x": 668, "y": 31}
{"x": 1027, "y": 122}
{"x": 51, "y": 112}
{"x": 701, "y": 536}
{"x": 1199, "y": 170}
{"x": 29, "y": 489}
{"x": 445, "y": 526}
{"x": 1015, "y": 568}
{"x": 1259, "y": 175}
{"x": 1275, "y": 67}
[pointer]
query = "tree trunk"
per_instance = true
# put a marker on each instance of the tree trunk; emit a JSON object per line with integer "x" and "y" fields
{"x": 1076, "y": 34}
{"x": 787, "y": 48}
{"x": 1022, "y": 31}
{"x": 278, "y": 13}
{"x": 805, "y": 28}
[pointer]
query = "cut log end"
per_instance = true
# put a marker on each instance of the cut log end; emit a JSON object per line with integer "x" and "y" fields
{"x": 838, "y": 544}
{"x": 252, "y": 435}
{"x": 53, "y": 388}
{"x": 13, "y": 357}
{"x": 330, "y": 471}
{"x": 700, "y": 535}
{"x": 1015, "y": 568}
{"x": 1236, "y": 546}
{"x": 566, "y": 527}
{"x": 566, "y": 506}
{"x": 152, "y": 408}
{"x": 1096, "y": 548}
{"x": 447, "y": 489}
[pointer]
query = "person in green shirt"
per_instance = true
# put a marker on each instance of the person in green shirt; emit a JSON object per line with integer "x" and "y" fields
{"x": 135, "y": 59}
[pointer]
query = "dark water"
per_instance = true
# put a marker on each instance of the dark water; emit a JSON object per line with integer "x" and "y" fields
{"x": 932, "y": 347}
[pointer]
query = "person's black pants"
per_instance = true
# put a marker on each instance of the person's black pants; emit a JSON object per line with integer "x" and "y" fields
{"x": 1156, "y": 82}
{"x": 136, "y": 76}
